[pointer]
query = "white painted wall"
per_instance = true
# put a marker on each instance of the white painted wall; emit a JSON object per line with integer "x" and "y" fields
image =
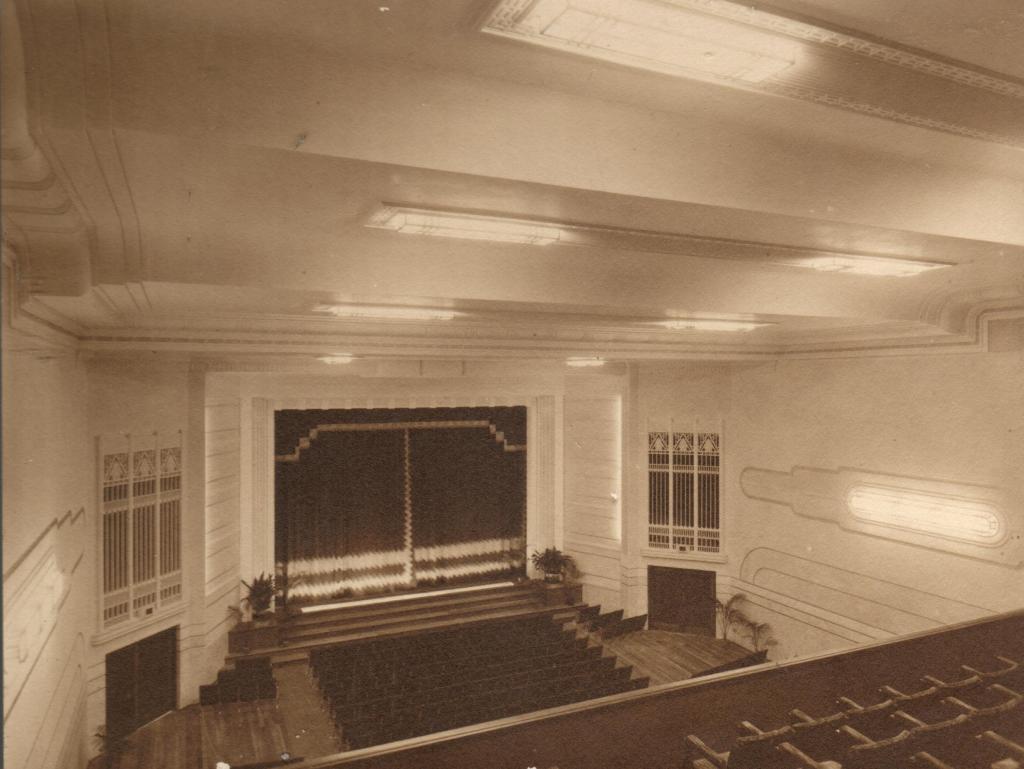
{"x": 48, "y": 517}
{"x": 221, "y": 519}
{"x": 592, "y": 461}
{"x": 142, "y": 397}
{"x": 944, "y": 418}
{"x": 695, "y": 393}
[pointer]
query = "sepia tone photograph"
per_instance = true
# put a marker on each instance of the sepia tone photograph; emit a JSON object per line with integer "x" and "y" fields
{"x": 513, "y": 384}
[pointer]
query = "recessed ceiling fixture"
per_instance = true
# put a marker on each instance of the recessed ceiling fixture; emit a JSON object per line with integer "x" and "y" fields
{"x": 866, "y": 265}
{"x": 584, "y": 362}
{"x": 467, "y": 226}
{"x": 655, "y": 35}
{"x": 713, "y": 324}
{"x": 511, "y": 229}
{"x": 385, "y": 312}
{"x": 968, "y": 519}
{"x": 337, "y": 358}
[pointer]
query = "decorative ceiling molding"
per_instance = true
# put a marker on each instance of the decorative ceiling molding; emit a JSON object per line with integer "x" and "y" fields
{"x": 50, "y": 235}
{"x": 826, "y": 73}
{"x": 859, "y": 44}
{"x": 864, "y": 108}
{"x": 493, "y": 341}
{"x": 41, "y": 220}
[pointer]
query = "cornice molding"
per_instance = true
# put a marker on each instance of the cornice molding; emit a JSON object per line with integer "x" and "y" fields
{"x": 530, "y": 340}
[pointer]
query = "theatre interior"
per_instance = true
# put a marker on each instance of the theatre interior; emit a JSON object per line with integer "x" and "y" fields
{"x": 510, "y": 384}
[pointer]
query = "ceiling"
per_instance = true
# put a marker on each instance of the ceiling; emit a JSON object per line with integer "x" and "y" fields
{"x": 196, "y": 178}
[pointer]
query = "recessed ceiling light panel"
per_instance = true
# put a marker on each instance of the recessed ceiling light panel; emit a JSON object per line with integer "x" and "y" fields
{"x": 649, "y": 34}
{"x": 866, "y": 265}
{"x": 713, "y": 324}
{"x": 386, "y": 312}
{"x": 336, "y": 358}
{"x": 584, "y": 362}
{"x": 466, "y": 226}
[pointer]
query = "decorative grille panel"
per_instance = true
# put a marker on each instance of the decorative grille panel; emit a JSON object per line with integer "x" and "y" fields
{"x": 683, "y": 491}
{"x": 140, "y": 502}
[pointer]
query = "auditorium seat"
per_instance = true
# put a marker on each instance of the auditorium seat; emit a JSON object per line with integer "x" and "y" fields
{"x": 622, "y": 627}
{"x": 604, "y": 620}
{"x": 251, "y": 679}
{"x": 381, "y": 690}
{"x": 970, "y": 721}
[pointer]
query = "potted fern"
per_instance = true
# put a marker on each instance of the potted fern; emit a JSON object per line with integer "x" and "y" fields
{"x": 555, "y": 564}
{"x": 261, "y": 594}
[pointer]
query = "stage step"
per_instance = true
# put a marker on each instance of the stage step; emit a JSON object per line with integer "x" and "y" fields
{"x": 406, "y": 606}
{"x": 384, "y": 621}
{"x": 300, "y": 651}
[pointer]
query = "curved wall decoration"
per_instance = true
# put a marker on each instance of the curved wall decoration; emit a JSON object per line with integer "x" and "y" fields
{"x": 960, "y": 518}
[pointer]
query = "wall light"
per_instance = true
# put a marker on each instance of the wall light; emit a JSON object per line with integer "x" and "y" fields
{"x": 386, "y": 312}
{"x": 944, "y": 516}
{"x": 337, "y": 358}
{"x": 455, "y": 224}
{"x": 713, "y": 324}
{"x": 648, "y": 34}
{"x": 866, "y": 265}
{"x": 584, "y": 362}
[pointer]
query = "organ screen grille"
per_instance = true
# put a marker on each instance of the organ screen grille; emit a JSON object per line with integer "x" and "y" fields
{"x": 140, "y": 504}
{"x": 683, "y": 468}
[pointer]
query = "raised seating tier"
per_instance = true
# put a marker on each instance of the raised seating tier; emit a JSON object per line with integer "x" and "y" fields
{"x": 393, "y": 688}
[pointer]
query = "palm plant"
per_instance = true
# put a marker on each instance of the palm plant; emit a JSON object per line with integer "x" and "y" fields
{"x": 729, "y": 614}
{"x": 761, "y": 635}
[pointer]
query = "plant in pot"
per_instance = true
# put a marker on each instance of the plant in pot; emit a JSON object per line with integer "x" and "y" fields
{"x": 555, "y": 564}
{"x": 730, "y": 615}
{"x": 261, "y": 594}
{"x": 283, "y": 584}
{"x": 761, "y": 636}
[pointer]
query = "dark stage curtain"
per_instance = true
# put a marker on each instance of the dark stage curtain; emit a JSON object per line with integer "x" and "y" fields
{"x": 377, "y": 500}
{"x": 468, "y": 505}
{"x": 341, "y": 511}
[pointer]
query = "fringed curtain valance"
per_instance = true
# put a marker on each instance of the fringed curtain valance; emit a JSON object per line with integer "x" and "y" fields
{"x": 377, "y": 500}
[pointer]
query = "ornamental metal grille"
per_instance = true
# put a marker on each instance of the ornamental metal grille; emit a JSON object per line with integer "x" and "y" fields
{"x": 683, "y": 491}
{"x": 140, "y": 532}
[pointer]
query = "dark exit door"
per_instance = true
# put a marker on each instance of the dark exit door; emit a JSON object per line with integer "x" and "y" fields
{"x": 681, "y": 600}
{"x": 142, "y": 682}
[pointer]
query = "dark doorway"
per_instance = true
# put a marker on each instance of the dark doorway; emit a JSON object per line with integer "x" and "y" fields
{"x": 142, "y": 682}
{"x": 682, "y": 600}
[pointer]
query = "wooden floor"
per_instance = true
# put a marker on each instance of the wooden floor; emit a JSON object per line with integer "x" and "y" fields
{"x": 309, "y": 728}
{"x": 238, "y": 733}
{"x": 664, "y": 657}
{"x": 242, "y": 733}
{"x": 173, "y": 741}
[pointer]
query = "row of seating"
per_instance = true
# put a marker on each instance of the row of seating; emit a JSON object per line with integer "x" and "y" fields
{"x": 251, "y": 680}
{"x": 464, "y": 690}
{"x": 430, "y": 717}
{"x": 386, "y": 689}
{"x": 382, "y": 678}
{"x": 438, "y": 644}
{"x": 975, "y": 721}
{"x": 610, "y": 624}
